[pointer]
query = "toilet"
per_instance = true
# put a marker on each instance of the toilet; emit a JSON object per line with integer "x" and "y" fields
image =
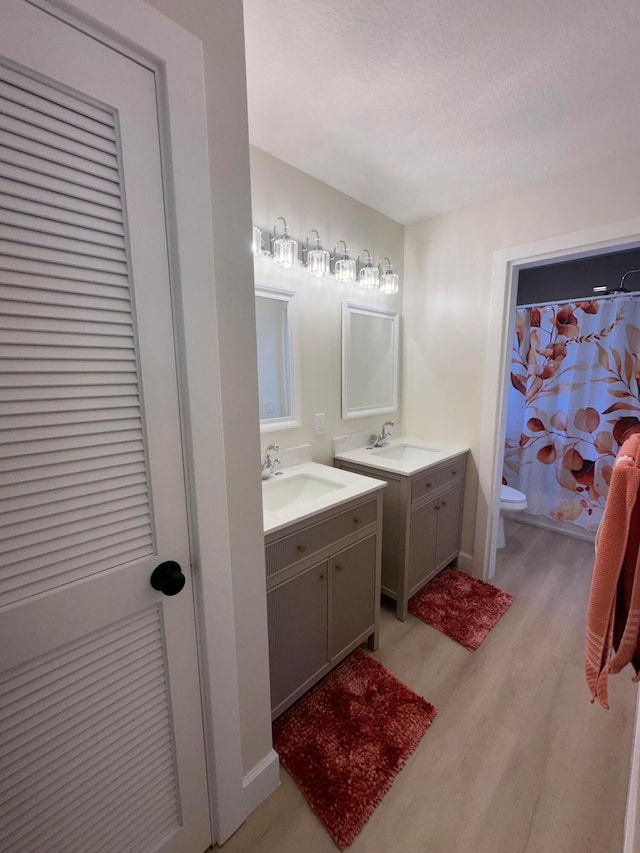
{"x": 511, "y": 500}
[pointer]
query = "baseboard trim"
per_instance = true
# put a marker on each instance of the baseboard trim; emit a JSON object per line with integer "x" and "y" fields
{"x": 261, "y": 781}
{"x": 556, "y": 526}
{"x": 632, "y": 816}
{"x": 464, "y": 562}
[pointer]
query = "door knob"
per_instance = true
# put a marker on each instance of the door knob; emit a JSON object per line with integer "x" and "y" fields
{"x": 168, "y": 578}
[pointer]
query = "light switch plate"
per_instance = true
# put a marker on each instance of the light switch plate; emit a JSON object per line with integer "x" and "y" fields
{"x": 320, "y": 422}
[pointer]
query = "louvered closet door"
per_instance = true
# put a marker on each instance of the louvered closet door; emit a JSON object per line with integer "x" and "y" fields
{"x": 101, "y": 742}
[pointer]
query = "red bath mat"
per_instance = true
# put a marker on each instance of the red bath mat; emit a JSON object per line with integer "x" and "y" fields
{"x": 460, "y": 606}
{"x": 346, "y": 739}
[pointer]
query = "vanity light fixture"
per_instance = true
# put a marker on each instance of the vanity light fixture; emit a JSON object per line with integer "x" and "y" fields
{"x": 344, "y": 269}
{"x": 369, "y": 276}
{"x": 389, "y": 280}
{"x": 317, "y": 260}
{"x": 284, "y": 251}
{"x": 285, "y": 248}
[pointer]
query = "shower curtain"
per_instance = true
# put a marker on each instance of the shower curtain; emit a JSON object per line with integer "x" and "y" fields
{"x": 574, "y": 398}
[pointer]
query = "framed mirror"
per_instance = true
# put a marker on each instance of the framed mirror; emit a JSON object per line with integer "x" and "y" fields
{"x": 278, "y": 359}
{"x": 369, "y": 361}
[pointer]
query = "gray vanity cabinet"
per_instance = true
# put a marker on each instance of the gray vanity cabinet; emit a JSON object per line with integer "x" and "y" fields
{"x": 297, "y": 615}
{"x": 423, "y": 536}
{"x": 448, "y": 528}
{"x": 352, "y": 613}
{"x": 421, "y": 527}
{"x": 323, "y": 594}
{"x": 434, "y": 537}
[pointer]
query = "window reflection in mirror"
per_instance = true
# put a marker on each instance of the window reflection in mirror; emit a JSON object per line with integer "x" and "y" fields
{"x": 277, "y": 358}
{"x": 369, "y": 361}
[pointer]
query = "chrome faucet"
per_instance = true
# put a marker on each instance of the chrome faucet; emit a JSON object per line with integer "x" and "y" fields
{"x": 381, "y": 440}
{"x": 268, "y": 463}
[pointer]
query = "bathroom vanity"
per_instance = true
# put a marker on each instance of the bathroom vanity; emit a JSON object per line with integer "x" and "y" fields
{"x": 323, "y": 565}
{"x": 422, "y": 510}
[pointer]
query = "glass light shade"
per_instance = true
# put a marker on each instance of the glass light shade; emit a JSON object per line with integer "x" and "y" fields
{"x": 390, "y": 282}
{"x": 256, "y": 244}
{"x": 318, "y": 262}
{"x": 285, "y": 252}
{"x": 345, "y": 270}
{"x": 369, "y": 277}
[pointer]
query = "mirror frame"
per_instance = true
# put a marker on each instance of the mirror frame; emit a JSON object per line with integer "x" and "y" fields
{"x": 292, "y": 420}
{"x": 348, "y": 310}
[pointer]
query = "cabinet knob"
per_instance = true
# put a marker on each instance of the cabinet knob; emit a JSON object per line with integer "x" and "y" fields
{"x": 454, "y": 473}
{"x": 437, "y": 508}
{"x": 356, "y": 520}
{"x": 443, "y": 503}
{"x": 322, "y": 576}
{"x": 301, "y": 548}
{"x": 339, "y": 567}
{"x": 427, "y": 485}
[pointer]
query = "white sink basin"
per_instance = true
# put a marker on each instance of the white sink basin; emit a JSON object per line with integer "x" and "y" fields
{"x": 405, "y": 456}
{"x": 280, "y": 493}
{"x": 412, "y": 454}
{"x": 305, "y": 490}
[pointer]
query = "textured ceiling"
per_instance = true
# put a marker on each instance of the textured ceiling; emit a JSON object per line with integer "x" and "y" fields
{"x": 418, "y": 106}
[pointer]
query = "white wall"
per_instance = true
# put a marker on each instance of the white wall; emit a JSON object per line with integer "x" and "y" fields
{"x": 448, "y": 264}
{"x": 219, "y": 26}
{"x": 278, "y": 189}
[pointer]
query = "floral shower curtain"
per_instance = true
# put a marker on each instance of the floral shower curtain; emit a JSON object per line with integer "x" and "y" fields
{"x": 574, "y": 398}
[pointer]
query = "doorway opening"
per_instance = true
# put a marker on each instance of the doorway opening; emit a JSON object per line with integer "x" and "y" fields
{"x": 507, "y": 265}
{"x": 568, "y": 404}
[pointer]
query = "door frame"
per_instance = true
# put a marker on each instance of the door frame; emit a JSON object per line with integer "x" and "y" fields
{"x": 504, "y": 285}
{"x": 175, "y": 57}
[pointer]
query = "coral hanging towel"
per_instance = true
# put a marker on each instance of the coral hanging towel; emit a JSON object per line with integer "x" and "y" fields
{"x": 613, "y": 616}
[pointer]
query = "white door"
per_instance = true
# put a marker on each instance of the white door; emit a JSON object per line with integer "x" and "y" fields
{"x": 101, "y": 741}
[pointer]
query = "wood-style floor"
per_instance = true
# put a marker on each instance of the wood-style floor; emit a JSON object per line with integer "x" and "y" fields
{"x": 517, "y": 759}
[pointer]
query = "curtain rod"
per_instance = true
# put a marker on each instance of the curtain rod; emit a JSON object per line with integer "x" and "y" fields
{"x": 578, "y": 299}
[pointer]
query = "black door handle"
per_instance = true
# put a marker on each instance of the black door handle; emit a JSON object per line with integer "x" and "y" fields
{"x": 168, "y": 578}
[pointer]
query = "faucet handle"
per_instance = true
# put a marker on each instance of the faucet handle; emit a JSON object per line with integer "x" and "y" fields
{"x": 268, "y": 463}
{"x": 267, "y": 453}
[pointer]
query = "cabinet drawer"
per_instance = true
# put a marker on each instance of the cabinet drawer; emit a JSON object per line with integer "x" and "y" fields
{"x": 298, "y": 546}
{"x": 430, "y": 481}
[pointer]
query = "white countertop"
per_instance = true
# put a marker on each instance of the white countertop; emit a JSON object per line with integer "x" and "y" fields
{"x": 350, "y": 486}
{"x": 413, "y": 462}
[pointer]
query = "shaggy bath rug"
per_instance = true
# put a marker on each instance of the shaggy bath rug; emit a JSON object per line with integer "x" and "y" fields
{"x": 462, "y": 607}
{"x": 344, "y": 741}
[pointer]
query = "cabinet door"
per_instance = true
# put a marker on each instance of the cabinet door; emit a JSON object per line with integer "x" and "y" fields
{"x": 448, "y": 543}
{"x": 297, "y": 613}
{"x": 353, "y": 594}
{"x": 422, "y": 544}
